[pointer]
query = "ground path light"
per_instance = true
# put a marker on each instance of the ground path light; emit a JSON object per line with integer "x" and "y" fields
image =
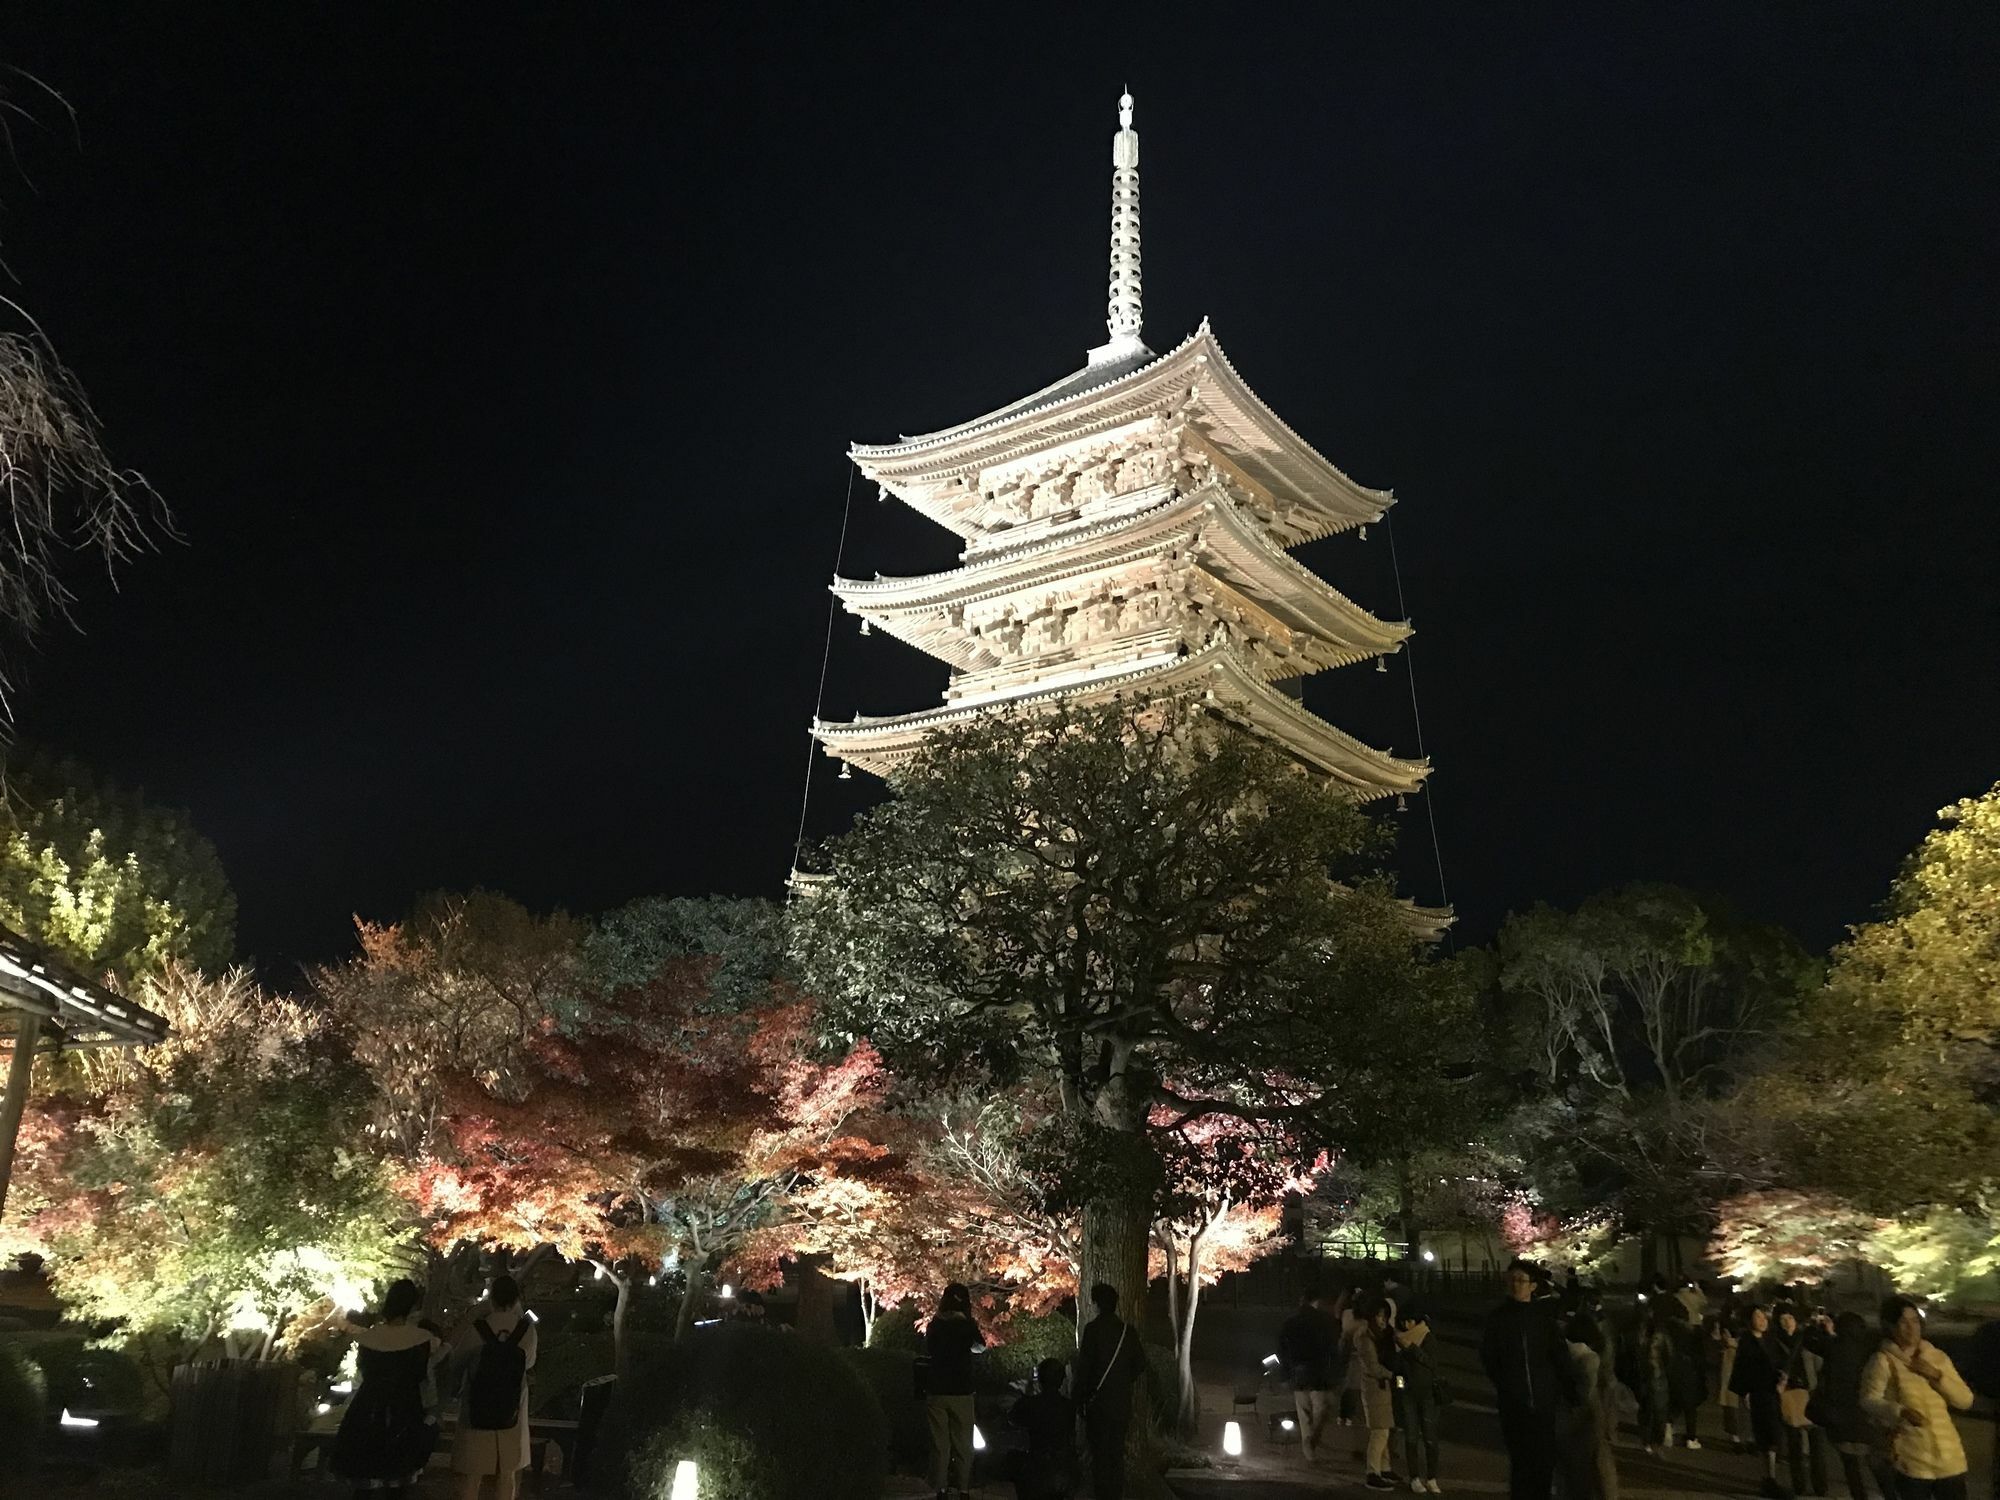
{"x": 687, "y": 1481}
{"x": 1232, "y": 1439}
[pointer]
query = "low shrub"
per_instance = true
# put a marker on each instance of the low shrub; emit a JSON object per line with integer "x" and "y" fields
{"x": 1029, "y": 1342}
{"x": 890, "y": 1374}
{"x": 896, "y": 1328}
{"x": 86, "y": 1378}
{"x": 23, "y": 1400}
{"x": 777, "y": 1416}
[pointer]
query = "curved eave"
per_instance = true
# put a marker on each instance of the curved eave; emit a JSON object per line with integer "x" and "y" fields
{"x": 1229, "y": 414}
{"x": 1235, "y": 692}
{"x": 1234, "y": 547}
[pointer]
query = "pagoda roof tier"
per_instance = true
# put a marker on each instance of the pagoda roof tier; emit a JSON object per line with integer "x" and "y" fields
{"x": 938, "y": 473}
{"x": 1233, "y": 689}
{"x": 1226, "y": 542}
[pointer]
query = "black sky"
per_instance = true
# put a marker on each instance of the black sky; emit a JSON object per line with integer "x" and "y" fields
{"x": 499, "y": 363}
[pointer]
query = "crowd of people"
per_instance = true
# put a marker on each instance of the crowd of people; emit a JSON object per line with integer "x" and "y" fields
{"x": 1803, "y": 1389}
{"x": 1363, "y": 1361}
{"x": 1796, "y": 1385}
{"x": 1808, "y": 1393}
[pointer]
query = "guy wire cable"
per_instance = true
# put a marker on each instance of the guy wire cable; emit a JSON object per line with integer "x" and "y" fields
{"x": 825, "y": 656}
{"x": 1416, "y": 715}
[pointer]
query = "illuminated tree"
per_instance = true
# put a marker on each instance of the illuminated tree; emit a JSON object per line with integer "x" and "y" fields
{"x": 1886, "y": 1090}
{"x": 1100, "y": 900}
{"x": 1635, "y": 1015}
{"x": 1223, "y": 1182}
{"x": 648, "y": 1130}
{"x": 1882, "y": 1099}
{"x": 114, "y": 884}
{"x": 216, "y": 1185}
{"x": 458, "y": 990}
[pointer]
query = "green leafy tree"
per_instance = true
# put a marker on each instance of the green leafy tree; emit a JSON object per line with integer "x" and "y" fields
{"x": 1634, "y": 1015}
{"x": 116, "y": 885}
{"x": 1160, "y": 918}
{"x": 1883, "y": 1098}
{"x": 743, "y": 937}
{"x": 216, "y": 1186}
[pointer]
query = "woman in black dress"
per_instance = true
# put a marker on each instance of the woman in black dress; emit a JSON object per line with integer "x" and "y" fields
{"x": 386, "y": 1435}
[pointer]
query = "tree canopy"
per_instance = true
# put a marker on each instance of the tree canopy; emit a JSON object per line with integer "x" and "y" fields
{"x": 115, "y": 884}
{"x": 1158, "y": 917}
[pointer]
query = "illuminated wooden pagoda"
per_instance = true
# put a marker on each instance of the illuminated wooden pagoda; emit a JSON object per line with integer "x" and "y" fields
{"x": 1128, "y": 529}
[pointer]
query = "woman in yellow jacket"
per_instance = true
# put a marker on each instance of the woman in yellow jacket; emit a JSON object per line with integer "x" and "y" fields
{"x": 1911, "y": 1388}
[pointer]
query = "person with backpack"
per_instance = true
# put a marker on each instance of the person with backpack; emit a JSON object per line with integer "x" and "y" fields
{"x": 492, "y": 1438}
{"x": 1109, "y": 1364}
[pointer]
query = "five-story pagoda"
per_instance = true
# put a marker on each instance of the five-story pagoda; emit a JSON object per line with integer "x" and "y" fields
{"x": 1127, "y": 529}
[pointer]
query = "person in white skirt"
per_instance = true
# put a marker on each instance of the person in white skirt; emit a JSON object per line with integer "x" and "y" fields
{"x": 492, "y": 1436}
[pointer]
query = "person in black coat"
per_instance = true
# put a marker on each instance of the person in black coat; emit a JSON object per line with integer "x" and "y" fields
{"x": 1108, "y": 1365}
{"x": 1756, "y": 1377}
{"x": 1534, "y": 1382}
{"x": 950, "y": 1342}
{"x": 1309, "y": 1346}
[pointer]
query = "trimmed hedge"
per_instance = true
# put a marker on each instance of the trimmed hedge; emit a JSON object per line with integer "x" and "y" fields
{"x": 767, "y": 1415}
{"x": 891, "y": 1375}
{"x": 78, "y": 1375}
{"x": 23, "y": 1401}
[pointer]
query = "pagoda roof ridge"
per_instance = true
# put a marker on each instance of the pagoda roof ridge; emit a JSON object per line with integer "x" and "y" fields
{"x": 1091, "y": 377}
{"x": 1366, "y": 771}
{"x": 1095, "y": 378}
{"x": 1195, "y": 382}
{"x": 1082, "y": 552}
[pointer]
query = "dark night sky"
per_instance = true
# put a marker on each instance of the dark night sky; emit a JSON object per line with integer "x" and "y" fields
{"x": 499, "y": 364}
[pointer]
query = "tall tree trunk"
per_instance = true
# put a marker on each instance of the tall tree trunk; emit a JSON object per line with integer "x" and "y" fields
{"x": 1116, "y": 1232}
{"x": 697, "y": 1288}
{"x": 1170, "y": 1252}
{"x": 618, "y": 1310}
{"x": 1190, "y": 1393}
{"x": 1406, "y": 1191}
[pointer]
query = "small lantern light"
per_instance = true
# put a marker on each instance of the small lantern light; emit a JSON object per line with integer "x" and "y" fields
{"x": 1232, "y": 1439}
{"x": 1402, "y": 803}
{"x": 728, "y": 1291}
{"x": 1382, "y": 663}
{"x": 1430, "y": 1255}
{"x": 687, "y": 1480}
{"x": 846, "y": 771}
{"x": 865, "y": 630}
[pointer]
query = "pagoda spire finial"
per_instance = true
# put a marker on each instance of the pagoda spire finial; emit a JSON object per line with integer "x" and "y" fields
{"x": 1127, "y": 312}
